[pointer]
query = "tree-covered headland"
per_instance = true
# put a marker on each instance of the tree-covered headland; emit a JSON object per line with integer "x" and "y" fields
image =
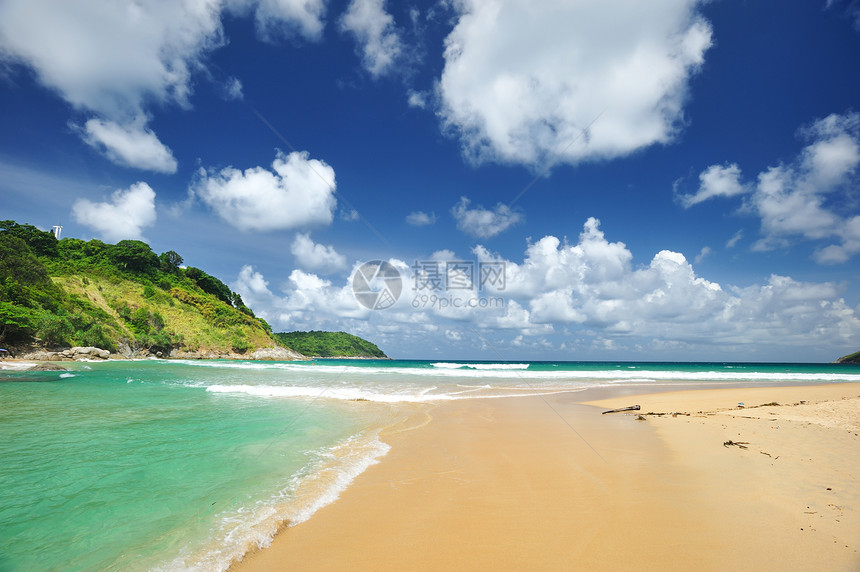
{"x": 120, "y": 297}
{"x": 127, "y": 299}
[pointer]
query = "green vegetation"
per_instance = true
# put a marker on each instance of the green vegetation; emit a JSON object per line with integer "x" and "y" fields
{"x": 329, "y": 344}
{"x": 850, "y": 358}
{"x": 124, "y": 297}
{"x": 121, "y": 296}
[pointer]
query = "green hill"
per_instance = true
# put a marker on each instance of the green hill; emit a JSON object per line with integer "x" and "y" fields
{"x": 126, "y": 299}
{"x": 329, "y": 344}
{"x": 120, "y": 297}
{"x": 850, "y": 358}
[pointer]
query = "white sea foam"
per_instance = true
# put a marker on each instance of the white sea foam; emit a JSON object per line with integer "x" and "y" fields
{"x": 484, "y": 366}
{"x": 318, "y": 485}
{"x": 64, "y": 375}
{"x": 16, "y": 365}
{"x": 561, "y": 375}
{"x": 381, "y": 395}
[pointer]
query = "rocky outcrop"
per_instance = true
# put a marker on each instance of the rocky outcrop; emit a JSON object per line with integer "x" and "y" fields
{"x": 85, "y": 353}
{"x": 47, "y": 367}
{"x": 276, "y": 353}
{"x": 76, "y": 353}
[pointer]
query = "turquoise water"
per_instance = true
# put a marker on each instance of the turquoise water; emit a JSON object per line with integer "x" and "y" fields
{"x": 186, "y": 464}
{"x": 127, "y": 466}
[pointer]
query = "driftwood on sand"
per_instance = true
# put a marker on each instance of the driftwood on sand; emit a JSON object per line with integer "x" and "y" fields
{"x": 631, "y": 408}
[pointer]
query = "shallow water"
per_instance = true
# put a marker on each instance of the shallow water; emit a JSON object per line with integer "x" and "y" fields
{"x": 186, "y": 464}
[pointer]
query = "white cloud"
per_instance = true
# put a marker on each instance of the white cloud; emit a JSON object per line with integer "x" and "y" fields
{"x": 851, "y": 10}
{"x": 481, "y": 222}
{"x": 316, "y": 257}
{"x": 349, "y": 215}
{"x": 297, "y": 192}
{"x": 111, "y": 56}
{"x": 377, "y": 37}
{"x": 417, "y": 99}
{"x": 584, "y": 293}
{"x": 716, "y": 181}
{"x": 122, "y": 217}
{"x": 592, "y": 284}
{"x": 285, "y": 18}
{"x": 522, "y": 80}
{"x": 838, "y": 253}
{"x": 706, "y": 250}
{"x": 233, "y": 89}
{"x": 131, "y": 145}
{"x": 115, "y": 58}
{"x": 803, "y": 198}
{"x": 787, "y": 208}
{"x": 733, "y": 241}
{"x": 834, "y": 153}
{"x": 252, "y": 283}
{"x": 795, "y": 200}
{"x": 420, "y": 218}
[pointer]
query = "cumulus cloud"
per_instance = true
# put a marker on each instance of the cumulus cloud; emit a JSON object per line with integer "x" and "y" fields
{"x": 593, "y": 285}
{"x": 296, "y": 192}
{"x": 587, "y": 293}
{"x": 285, "y": 18}
{"x": 716, "y": 181}
{"x": 522, "y": 80}
{"x": 316, "y": 257}
{"x": 803, "y": 198}
{"x": 417, "y": 99}
{"x": 131, "y": 145}
{"x": 122, "y": 217}
{"x": 305, "y": 301}
{"x": 374, "y": 31}
{"x": 114, "y": 58}
{"x": 799, "y": 200}
{"x": 481, "y": 222}
{"x": 420, "y": 218}
{"x": 109, "y": 57}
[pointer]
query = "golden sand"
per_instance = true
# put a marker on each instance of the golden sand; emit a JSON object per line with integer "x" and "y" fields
{"x": 548, "y": 483}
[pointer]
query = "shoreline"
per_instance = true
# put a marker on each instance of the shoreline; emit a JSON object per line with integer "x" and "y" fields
{"x": 549, "y": 483}
{"x": 36, "y": 363}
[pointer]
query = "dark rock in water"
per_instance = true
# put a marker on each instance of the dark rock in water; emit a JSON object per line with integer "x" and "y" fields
{"x": 47, "y": 367}
{"x": 20, "y": 375}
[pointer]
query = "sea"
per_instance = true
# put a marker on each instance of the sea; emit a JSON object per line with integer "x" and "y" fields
{"x": 186, "y": 465}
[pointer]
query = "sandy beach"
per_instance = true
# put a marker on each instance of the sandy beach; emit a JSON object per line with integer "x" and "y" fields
{"x": 549, "y": 483}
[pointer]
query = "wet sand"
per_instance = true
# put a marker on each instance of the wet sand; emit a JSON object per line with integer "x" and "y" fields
{"x": 548, "y": 483}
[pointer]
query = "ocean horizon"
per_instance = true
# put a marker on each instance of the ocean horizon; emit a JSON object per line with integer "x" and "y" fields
{"x": 186, "y": 465}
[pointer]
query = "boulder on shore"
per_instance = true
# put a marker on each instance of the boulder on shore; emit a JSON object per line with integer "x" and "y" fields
{"x": 276, "y": 353}
{"x": 84, "y": 353}
{"x": 76, "y": 353}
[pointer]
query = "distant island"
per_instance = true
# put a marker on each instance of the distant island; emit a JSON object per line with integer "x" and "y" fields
{"x": 850, "y": 358}
{"x": 329, "y": 344}
{"x": 65, "y": 298}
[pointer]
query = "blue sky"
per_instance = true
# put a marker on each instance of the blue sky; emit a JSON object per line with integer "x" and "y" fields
{"x": 658, "y": 180}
